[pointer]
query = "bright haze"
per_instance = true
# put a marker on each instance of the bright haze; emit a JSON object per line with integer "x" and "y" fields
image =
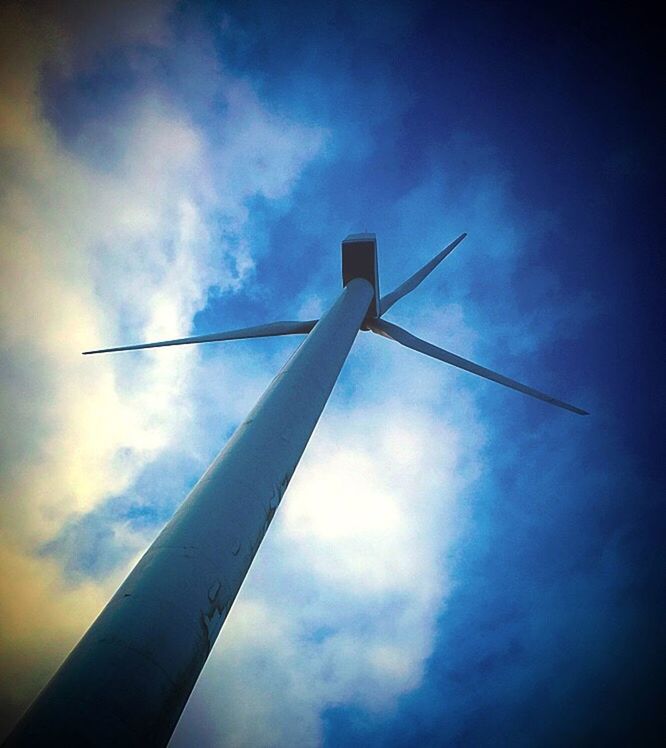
{"x": 454, "y": 563}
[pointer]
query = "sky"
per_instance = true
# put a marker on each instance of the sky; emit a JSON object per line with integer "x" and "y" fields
{"x": 453, "y": 563}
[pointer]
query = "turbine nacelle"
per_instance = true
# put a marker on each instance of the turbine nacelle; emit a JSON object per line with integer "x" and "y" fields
{"x": 359, "y": 260}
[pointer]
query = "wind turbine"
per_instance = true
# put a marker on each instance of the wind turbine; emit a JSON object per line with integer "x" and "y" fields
{"x": 129, "y": 678}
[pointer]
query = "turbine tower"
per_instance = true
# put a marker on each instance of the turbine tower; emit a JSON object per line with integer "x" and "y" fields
{"x": 129, "y": 678}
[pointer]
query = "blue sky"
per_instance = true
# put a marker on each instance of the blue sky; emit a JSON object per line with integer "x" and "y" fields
{"x": 454, "y": 563}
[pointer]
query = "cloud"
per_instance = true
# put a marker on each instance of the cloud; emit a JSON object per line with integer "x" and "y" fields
{"x": 341, "y": 605}
{"x": 95, "y": 251}
{"x": 42, "y": 619}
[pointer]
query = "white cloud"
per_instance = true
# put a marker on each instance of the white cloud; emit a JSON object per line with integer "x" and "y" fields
{"x": 94, "y": 253}
{"x": 341, "y": 605}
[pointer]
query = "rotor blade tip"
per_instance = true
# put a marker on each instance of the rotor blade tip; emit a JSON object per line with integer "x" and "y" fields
{"x": 569, "y": 407}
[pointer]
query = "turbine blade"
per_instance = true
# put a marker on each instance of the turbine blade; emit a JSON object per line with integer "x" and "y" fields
{"x": 411, "y": 283}
{"x": 393, "y": 332}
{"x": 261, "y": 331}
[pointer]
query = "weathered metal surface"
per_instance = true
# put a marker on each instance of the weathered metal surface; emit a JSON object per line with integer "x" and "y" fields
{"x": 127, "y": 681}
